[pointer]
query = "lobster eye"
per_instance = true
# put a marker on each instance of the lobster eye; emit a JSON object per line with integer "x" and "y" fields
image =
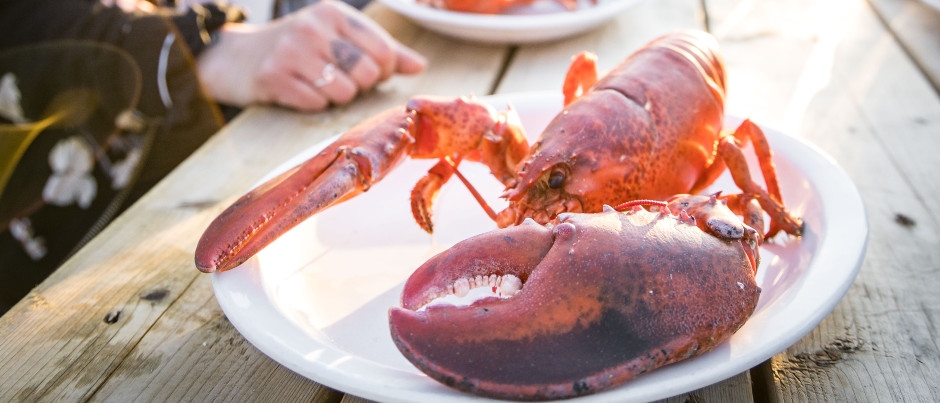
{"x": 556, "y": 179}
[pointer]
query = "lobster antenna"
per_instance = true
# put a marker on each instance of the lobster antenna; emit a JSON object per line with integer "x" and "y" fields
{"x": 476, "y": 195}
{"x": 630, "y": 204}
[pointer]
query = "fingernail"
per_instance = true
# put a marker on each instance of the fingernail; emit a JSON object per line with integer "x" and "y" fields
{"x": 414, "y": 55}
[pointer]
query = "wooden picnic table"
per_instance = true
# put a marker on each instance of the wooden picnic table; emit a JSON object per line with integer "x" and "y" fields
{"x": 130, "y": 318}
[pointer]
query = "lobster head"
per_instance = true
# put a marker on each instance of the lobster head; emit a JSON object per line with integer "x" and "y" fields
{"x": 575, "y": 307}
{"x": 646, "y": 130}
{"x": 590, "y": 154}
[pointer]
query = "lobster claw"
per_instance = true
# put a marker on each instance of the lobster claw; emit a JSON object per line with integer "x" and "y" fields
{"x": 347, "y": 167}
{"x": 427, "y": 128}
{"x": 604, "y": 297}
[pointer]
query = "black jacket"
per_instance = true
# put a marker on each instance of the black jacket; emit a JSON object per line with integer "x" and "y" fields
{"x": 133, "y": 109}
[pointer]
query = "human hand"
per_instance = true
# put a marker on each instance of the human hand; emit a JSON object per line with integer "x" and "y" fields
{"x": 324, "y": 53}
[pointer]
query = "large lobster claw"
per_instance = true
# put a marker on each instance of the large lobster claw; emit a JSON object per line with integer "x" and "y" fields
{"x": 604, "y": 297}
{"x": 427, "y": 127}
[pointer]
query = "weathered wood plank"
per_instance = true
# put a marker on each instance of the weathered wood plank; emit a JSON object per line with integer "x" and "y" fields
{"x": 916, "y": 25}
{"x": 194, "y": 354}
{"x": 734, "y": 390}
{"x": 129, "y": 317}
{"x": 830, "y": 73}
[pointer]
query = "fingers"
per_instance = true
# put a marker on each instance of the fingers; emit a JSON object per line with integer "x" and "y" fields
{"x": 309, "y": 81}
{"x": 324, "y": 54}
{"x": 334, "y": 84}
{"x": 300, "y": 96}
{"x": 293, "y": 90}
{"x": 364, "y": 53}
{"x": 365, "y": 70}
{"x": 361, "y": 68}
{"x": 376, "y": 45}
{"x": 315, "y": 91}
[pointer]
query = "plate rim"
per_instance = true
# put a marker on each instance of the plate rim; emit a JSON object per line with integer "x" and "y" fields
{"x": 842, "y": 215}
{"x": 457, "y": 23}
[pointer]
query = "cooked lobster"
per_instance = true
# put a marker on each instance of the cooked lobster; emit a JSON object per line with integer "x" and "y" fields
{"x": 625, "y": 289}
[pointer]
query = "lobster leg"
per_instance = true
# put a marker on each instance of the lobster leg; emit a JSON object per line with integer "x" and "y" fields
{"x": 770, "y": 200}
{"x": 729, "y": 155}
{"x": 453, "y": 130}
{"x": 749, "y": 208}
{"x": 582, "y": 74}
{"x": 425, "y": 191}
{"x": 764, "y": 156}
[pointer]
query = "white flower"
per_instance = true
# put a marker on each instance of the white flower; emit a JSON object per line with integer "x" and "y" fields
{"x": 35, "y": 248}
{"x": 10, "y": 107}
{"x": 121, "y": 171}
{"x": 22, "y": 230}
{"x": 71, "y": 180}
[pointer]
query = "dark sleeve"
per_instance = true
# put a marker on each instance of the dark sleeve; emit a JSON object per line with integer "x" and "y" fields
{"x": 24, "y": 22}
{"x": 163, "y": 43}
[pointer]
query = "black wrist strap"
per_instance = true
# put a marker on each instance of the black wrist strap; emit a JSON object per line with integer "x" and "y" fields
{"x": 199, "y": 24}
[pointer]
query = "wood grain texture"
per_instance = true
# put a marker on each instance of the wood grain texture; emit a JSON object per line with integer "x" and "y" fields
{"x": 129, "y": 317}
{"x": 831, "y": 73}
{"x": 916, "y": 26}
{"x": 733, "y": 390}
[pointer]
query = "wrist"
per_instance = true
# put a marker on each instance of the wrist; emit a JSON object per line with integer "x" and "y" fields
{"x": 220, "y": 65}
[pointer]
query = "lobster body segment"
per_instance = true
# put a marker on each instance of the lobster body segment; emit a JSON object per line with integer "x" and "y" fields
{"x": 649, "y": 129}
{"x": 619, "y": 294}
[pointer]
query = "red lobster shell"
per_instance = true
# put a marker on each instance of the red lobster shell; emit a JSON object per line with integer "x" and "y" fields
{"x": 605, "y": 297}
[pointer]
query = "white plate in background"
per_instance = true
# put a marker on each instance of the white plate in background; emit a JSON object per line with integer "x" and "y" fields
{"x": 542, "y": 21}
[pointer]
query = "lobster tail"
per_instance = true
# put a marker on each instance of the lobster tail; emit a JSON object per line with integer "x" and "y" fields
{"x": 669, "y": 75}
{"x": 700, "y": 49}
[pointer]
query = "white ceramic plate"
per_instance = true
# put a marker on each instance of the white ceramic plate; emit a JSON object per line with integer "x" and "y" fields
{"x": 542, "y": 21}
{"x": 317, "y": 299}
